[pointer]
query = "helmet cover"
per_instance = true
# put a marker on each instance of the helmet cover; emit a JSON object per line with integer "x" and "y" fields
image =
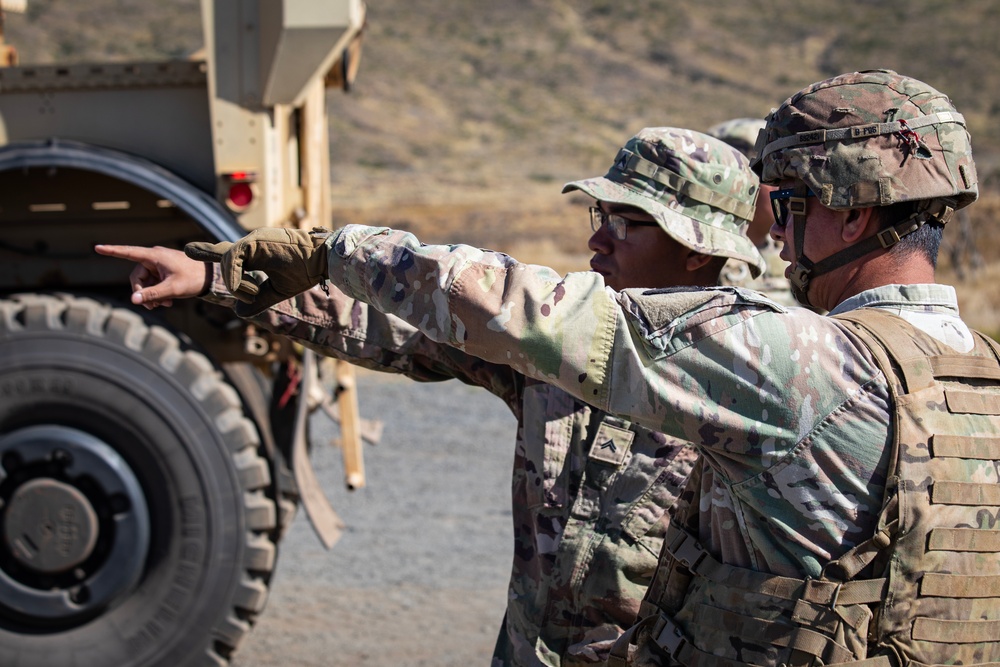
{"x": 871, "y": 138}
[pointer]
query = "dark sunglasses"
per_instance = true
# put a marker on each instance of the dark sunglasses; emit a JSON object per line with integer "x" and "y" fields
{"x": 788, "y": 201}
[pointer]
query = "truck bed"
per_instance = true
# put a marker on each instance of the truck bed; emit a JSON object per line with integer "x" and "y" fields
{"x": 158, "y": 110}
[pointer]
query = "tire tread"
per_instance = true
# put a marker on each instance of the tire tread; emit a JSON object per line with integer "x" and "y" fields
{"x": 206, "y": 383}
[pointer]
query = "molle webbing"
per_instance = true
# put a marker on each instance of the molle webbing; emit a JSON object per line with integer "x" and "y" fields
{"x": 744, "y": 617}
{"x": 943, "y": 600}
{"x": 686, "y": 550}
{"x": 936, "y": 545}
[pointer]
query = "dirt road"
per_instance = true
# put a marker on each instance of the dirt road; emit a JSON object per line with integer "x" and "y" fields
{"x": 420, "y": 575}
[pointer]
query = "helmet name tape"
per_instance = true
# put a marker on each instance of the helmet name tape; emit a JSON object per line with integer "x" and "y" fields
{"x": 862, "y": 131}
{"x": 627, "y": 161}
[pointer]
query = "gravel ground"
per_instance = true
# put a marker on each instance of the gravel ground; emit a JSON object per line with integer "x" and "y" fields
{"x": 420, "y": 575}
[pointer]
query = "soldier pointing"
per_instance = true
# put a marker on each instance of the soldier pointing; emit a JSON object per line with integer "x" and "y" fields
{"x": 592, "y": 491}
{"x": 843, "y": 511}
{"x": 845, "y": 528}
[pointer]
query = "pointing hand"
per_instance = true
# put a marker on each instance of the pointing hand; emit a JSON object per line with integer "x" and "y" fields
{"x": 161, "y": 274}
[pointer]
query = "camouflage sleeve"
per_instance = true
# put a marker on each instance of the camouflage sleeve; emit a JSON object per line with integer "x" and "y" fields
{"x": 336, "y": 325}
{"x": 709, "y": 366}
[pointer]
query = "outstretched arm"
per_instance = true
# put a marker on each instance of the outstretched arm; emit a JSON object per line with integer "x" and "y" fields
{"x": 161, "y": 274}
{"x": 329, "y": 322}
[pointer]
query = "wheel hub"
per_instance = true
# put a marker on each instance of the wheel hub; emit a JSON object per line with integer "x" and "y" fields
{"x": 50, "y": 526}
{"x": 76, "y": 526}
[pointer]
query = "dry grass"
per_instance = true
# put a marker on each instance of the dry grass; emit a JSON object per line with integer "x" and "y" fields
{"x": 468, "y": 116}
{"x": 978, "y": 298}
{"x": 978, "y": 288}
{"x": 536, "y": 226}
{"x": 459, "y": 95}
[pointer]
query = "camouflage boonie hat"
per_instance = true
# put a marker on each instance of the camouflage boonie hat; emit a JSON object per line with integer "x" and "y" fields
{"x": 740, "y": 133}
{"x": 700, "y": 190}
{"x": 870, "y": 138}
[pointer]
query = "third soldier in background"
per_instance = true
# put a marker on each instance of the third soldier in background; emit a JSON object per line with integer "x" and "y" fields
{"x": 741, "y": 134}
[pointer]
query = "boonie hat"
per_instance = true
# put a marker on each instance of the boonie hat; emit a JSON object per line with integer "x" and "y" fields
{"x": 699, "y": 189}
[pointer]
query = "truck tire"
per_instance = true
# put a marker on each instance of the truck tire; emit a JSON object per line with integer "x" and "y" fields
{"x": 256, "y": 391}
{"x": 136, "y": 527}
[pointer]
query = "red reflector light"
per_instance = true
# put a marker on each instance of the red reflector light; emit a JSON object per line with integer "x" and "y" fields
{"x": 240, "y": 195}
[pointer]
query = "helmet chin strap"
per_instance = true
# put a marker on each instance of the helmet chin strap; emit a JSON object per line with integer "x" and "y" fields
{"x": 805, "y": 270}
{"x": 804, "y": 267}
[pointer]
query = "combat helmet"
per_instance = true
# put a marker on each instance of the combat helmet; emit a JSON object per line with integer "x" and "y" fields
{"x": 871, "y": 138}
{"x": 699, "y": 190}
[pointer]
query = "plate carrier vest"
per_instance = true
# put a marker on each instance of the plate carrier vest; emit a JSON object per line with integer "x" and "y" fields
{"x": 923, "y": 591}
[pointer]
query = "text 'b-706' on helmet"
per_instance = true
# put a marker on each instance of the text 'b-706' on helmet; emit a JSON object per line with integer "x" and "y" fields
{"x": 870, "y": 138}
{"x": 698, "y": 189}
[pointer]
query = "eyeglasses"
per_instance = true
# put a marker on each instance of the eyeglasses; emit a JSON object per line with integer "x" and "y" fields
{"x": 617, "y": 224}
{"x": 787, "y": 201}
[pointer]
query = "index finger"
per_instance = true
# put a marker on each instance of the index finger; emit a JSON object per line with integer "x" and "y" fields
{"x": 135, "y": 253}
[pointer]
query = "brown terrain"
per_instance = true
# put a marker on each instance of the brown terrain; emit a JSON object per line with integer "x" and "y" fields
{"x": 468, "y": 117}
{"x": 465, "y": 121}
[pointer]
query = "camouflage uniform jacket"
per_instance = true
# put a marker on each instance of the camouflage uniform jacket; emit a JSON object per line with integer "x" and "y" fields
{"x": 590, "y": 491}
{"x": 787, "y": 407}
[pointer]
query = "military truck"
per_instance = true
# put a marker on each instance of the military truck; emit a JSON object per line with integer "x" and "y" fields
{"x": 149, "y": 461}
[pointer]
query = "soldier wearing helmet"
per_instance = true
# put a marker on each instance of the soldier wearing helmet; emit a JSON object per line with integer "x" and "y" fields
{"x": 857, "y": 537}
{"x": 741, "y": 134}
{"x": 592, "y": 491}
{"x": 843, "y": 506}
{"x": 873, "y": 141}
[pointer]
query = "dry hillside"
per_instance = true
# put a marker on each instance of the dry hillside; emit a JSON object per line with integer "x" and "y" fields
{"x": 468, "y": 116}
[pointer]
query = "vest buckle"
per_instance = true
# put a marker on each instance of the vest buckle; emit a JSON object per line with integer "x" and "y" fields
{"x": 669, "y": 637}
{"x": 688, "y": 551}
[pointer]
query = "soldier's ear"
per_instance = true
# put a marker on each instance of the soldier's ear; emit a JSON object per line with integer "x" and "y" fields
{"x": 859, "y": 223}
{"x": 696, "y": 260}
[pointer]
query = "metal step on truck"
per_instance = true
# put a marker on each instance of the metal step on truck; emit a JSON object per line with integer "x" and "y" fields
{"x": 150, "y": 461}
